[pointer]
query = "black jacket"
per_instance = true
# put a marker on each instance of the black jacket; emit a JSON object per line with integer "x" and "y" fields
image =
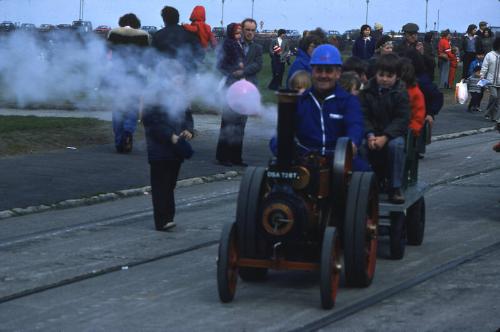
{"x": 387, "y": 113}
{"x": 159, "y": 126}
{"x": 175, "y": 42}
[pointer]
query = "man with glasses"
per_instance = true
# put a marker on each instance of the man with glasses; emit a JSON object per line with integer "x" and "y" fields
{"x": 326, "y": 111}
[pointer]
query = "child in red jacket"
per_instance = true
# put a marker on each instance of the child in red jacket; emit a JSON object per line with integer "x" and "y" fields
{"x": 454, "y": 59}
{"x": 200, "y": 28}
{"x": 417, "y": 99}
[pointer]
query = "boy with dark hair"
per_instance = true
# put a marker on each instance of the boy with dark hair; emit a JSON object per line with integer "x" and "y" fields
{"x": 386, "y": 111}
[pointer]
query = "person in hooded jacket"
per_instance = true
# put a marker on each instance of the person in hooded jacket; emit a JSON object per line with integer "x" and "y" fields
{"x": 232, "y": 55}
{"x": 200, "y": 28}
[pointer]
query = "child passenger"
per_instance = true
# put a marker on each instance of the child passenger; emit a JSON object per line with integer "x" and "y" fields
{"x": 300, "y": 81}
{"x": 386, "y": 111}
{"x": 350, "y": 82}
{"x": 417, "y": 99}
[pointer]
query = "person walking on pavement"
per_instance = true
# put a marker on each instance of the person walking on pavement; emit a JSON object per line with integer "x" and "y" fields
{"x": 471, "y": 44}
{"x": 279, "y": 52}
{"x": 364, "y": 45}
{"x": 490, "y": 70}
{"x": 125, "y": 43}
{"x": 230, "y": 144}
{"x": 169, "y": 130}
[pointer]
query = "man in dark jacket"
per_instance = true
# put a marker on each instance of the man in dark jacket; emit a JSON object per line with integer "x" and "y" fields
{"x": 279, "y": 52}
{"x": 386, "y": 110}
{"x": 175, "y": 42}
{"x": 230, "y": 143}
{"x": 326, "y": 111}
{"x": 126, "y": 42}
{"x": 168, "y": 130}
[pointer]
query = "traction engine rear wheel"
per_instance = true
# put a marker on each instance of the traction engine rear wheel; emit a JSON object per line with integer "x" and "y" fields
{"x": 397, "y": 235}
{"x": 415, "y": 222}
{"x": 330, "y": 268}
{"x": 360, "y": 230}
{"x": 227, "y": 268}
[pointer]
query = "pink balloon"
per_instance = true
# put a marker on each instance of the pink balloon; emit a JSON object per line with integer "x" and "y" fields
{"x": 243, "y": 97}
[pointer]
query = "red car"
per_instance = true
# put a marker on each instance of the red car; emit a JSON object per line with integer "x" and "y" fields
{"x": 102, "y": 30}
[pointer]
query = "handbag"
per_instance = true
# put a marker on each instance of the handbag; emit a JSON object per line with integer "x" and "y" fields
{"x": 461, "y": 93}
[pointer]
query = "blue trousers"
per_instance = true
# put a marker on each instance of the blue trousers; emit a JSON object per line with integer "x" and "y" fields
{"x": 124, "y": 121}
{"x": 389, "y": 162}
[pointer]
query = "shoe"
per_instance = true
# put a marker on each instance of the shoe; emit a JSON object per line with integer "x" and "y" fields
{"x": 127, "y": 142}
{"x": 420, "y": 156}
{"x": 396, "y": 196}
{"x": 224, "y": 163}
{"x": 169, "y": 225}
{"x": 487, "y": 117}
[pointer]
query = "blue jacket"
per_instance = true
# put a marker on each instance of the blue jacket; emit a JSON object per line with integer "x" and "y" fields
{"x": 301, "y": 63}
{"x": 364, "y": 50}
{"x": 318, "y": 127}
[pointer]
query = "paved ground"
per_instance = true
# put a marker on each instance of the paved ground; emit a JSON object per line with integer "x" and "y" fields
{"x": 48, "y": 178}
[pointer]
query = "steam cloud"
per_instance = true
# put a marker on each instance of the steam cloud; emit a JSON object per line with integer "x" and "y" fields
{"x": 64, "y": 68}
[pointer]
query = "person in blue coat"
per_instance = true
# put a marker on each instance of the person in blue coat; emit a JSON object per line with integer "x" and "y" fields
{"x": 306, "y": 47}
{"x": 326, "y": 111}
{"x": 364, "y": 45}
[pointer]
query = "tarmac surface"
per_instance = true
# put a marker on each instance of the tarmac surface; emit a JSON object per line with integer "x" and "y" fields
{"x": 60, "y": 178}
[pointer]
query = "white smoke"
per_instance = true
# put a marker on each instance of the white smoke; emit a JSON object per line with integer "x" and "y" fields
{"x": 64, "y": 69}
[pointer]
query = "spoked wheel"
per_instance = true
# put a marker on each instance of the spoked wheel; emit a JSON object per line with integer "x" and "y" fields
{"x": 360, "y": 229}
{"x": 247, "y": 210}
{"x": 330, "y": 268}
{"x": 415, "y": 222}
{"x": 397, "y": 235}
{"x": 227, "y": 268}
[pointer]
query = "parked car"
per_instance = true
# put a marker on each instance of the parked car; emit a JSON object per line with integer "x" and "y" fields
{"x": 151, "y": 29}
{"x": 102, "y": 30}
{"x": 218, "y": 32}
{"x": 64, "y": 26}
{"x": 82, "y": 26}
{"x": 7, "y": 26}
{"x": 28, "y": 27}
{"x": 46, "y": 27}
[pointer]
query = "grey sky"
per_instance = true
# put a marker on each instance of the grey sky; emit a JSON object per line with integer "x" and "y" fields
{"x": 291, "y": 14}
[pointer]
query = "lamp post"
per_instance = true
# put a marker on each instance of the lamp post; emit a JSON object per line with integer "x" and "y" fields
{"x": 222, "y": 17}
{"x": 426, "y": 6}
{"x": 80, "y": 17}
{"x": 252, "y": 7}
{"x": 366, "y": 19}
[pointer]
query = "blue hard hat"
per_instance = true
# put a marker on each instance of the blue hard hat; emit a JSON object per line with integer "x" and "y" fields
{"x": 326, "y": 54}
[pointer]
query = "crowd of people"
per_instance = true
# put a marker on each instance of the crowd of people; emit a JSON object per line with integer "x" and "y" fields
{"x": 375, "y": 97}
